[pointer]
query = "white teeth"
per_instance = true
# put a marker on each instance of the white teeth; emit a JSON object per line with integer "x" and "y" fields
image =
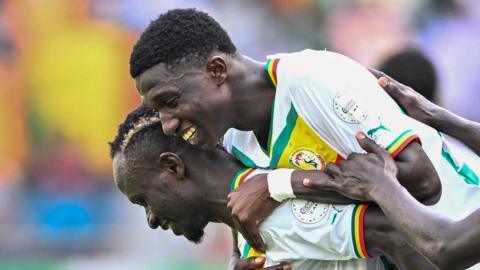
{"x": 188, "y": 134}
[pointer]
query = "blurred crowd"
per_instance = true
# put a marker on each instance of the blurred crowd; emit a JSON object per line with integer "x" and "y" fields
{"x": 65, "y": 87}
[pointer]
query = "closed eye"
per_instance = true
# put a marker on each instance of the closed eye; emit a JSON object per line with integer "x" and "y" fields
{"x": 172, "y": 102}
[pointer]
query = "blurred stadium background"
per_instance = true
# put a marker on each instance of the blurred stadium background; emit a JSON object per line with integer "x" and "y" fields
{"x": 65, "y": 86}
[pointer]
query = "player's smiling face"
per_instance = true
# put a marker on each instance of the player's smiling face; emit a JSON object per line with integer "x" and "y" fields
{"x": 192, "y": 104}
{"x": 169, "y": 202}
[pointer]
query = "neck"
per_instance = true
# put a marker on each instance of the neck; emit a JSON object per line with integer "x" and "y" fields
{"x": 252, "y": 90}
{"x": 215, "y": 171}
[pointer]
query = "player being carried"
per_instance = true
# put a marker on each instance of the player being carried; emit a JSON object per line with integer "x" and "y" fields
{"x": 296, "y": 111}
{"x": 183, "y": 187}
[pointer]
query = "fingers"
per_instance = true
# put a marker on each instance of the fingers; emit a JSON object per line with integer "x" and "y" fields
{"x": 322, "y": 183}
{"x": 325, "y": 182}
{"x": 369, "y": 145}
{"x": 376, "y": 73}
{"x": 333, "y": 170}
{"x": 251, "y": 263}
{"x": 392, "y": 89}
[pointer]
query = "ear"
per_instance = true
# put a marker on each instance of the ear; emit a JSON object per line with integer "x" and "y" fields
{"x": 172, "y": 163}
{"x": 217, "y": 69}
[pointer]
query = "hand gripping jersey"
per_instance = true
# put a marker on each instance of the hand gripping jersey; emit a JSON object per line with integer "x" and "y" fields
{"x": 311, "y": 235}
{"x": 322, "y": 100}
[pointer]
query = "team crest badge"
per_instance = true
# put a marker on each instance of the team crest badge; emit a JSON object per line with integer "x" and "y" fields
{"x": 348, "y": 110}
{"x": 306, "y": 159}
{"x": 309, "y": 212}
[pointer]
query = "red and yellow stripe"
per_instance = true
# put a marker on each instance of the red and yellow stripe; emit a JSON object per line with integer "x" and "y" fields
{"x": 338, "y": 159}
{"x": 358, "y": 231}
{"x": 271, "y": 69}
{"x": 239, "y": 177}
{"x": 401, "y": 142}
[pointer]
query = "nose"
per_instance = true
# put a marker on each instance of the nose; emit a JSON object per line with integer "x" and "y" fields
{"x": 170, "y": 124}
{"x": 152, "y": 220}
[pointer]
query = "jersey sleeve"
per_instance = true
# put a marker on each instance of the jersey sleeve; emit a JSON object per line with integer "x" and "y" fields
{"x": 300, "y": 229}
{"x": 338, "y": 97}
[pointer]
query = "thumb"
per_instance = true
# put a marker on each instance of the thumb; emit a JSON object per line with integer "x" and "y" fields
{"x": 369, "y": 145}
{"x": 250, "y": 263}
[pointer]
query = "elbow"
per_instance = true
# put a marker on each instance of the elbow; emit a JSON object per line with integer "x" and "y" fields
{"x": 440, "y": 255}
{"x": 429, "y": 189}
{"x": 436, "y": 248}
{"x": 430, "y": 193}
{"x": 417, "y": 173}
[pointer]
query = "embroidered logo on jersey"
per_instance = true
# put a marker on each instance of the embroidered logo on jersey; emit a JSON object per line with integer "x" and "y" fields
{"x": 380, "y": 127}
{"x": 348, "y": 110}
{"x": 309, "y": 212}
{"x": 306, "y": 159}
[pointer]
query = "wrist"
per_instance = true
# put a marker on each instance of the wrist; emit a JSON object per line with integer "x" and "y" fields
{"x": 280, "y": 185}
{"x": 436, "y": 117}
{"x": 384, "y": 188}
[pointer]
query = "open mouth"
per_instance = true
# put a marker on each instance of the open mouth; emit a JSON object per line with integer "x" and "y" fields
{"x": 189, "y": 134}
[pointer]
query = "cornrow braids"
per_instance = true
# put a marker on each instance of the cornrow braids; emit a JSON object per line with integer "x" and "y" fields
{"x": 136, "y": 120}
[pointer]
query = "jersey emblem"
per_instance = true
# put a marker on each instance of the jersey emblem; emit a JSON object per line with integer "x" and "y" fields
{"x": 306, "y": 159}
{"x": 309, "y": 212}
{"x": 348, "y": 110}
{"x": 375, "y": 130}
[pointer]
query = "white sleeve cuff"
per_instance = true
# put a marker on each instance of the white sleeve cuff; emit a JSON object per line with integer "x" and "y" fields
{"x": 280, "y": 184}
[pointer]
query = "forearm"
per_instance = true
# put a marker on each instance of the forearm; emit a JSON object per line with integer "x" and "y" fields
{"x": 460, "y": 128}
{"x": 322, "y": 196}
{"x": 422, "y": 228}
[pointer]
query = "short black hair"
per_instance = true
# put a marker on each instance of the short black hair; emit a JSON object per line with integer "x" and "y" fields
{"x": 411, "y": 67}
{"x": 176, "y": 35}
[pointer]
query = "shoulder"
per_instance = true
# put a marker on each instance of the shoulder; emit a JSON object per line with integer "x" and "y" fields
{"x": 228, "y": 140}
{"x": 317, "y": 67}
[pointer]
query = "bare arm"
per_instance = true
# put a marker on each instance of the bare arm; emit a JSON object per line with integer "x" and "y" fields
{"x": 425, "y": 111}
{"x": 372, "y": 176}
{"x": 322, "y": 196}
{"x": 460, "y": 128}
{"x": 436, "y": 237}
{"x": 415, "y": 172}
{"x": 253, "y": 204}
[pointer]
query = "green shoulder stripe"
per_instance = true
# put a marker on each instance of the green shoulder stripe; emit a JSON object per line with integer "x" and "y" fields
{"x": 282, "y": 141}
{"x": 247, "y": 162}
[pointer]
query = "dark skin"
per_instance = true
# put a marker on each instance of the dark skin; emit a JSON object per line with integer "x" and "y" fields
{"x": 427, "y": 112}
{"x": 192, "y": 104}
{"x": 186, "y": 190}
{"x": 198, "y": 97}
{"x": 373, "y": 177}
{"x": 252, "y": 263}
